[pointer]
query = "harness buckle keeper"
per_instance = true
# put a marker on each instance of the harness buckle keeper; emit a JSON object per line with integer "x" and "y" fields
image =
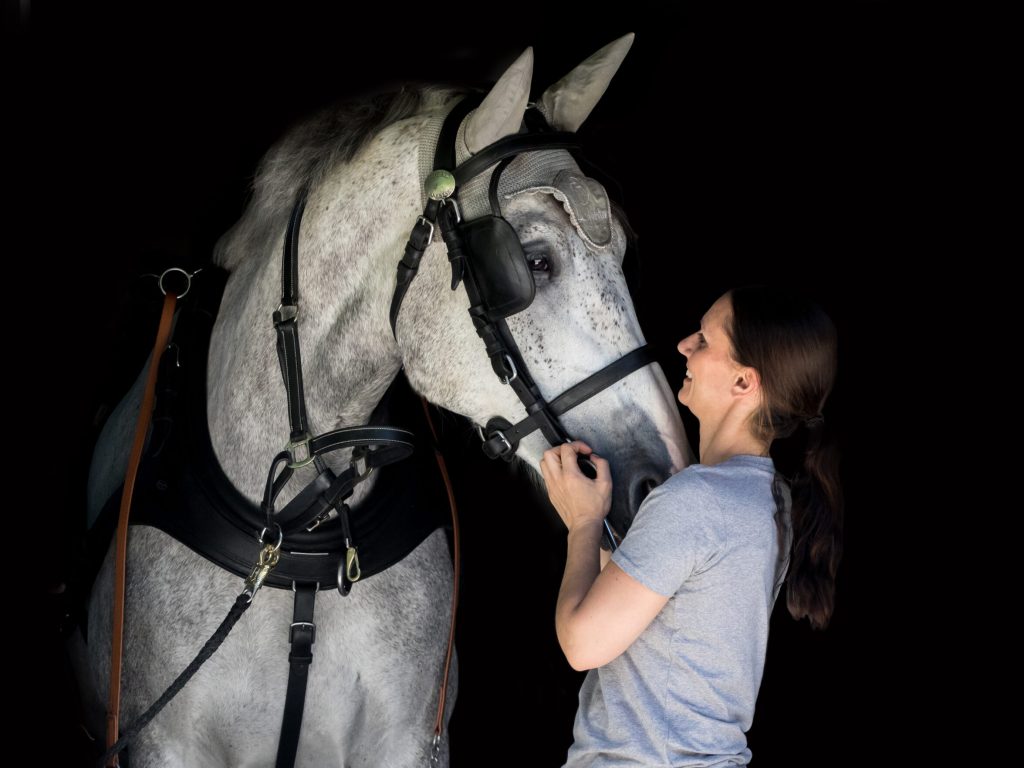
{"x": 361, "y": 463}
{"x": 285, "y": 313}
{"x": 299, "y": 452}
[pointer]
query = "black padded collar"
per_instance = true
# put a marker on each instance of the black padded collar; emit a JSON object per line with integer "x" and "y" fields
{"x": 182, "y": 490}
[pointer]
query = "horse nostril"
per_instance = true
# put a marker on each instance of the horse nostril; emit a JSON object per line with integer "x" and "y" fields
{"x": 640, "y": 490}
{"x": 586, "y": 466}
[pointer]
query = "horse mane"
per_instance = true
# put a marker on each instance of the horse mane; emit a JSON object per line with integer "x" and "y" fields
{"x": 309, "y": 151}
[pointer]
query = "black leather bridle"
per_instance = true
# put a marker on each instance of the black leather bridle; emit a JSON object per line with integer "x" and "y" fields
{"x": 487, "y": 257}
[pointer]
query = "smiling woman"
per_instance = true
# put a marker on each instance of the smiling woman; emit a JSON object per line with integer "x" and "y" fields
{"x": 734, "y": 139}
{"x": 675, "y": 628}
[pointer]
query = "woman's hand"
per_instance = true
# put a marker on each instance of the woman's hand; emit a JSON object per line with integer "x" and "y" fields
{"x": 577, "y": 499}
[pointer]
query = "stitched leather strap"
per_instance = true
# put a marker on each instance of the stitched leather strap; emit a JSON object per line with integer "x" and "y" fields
{"x": 301, "y": 637}
{"x": 121, "y": 542}
{"x": 496, "y": 445}
{"x": 456, "y": 546}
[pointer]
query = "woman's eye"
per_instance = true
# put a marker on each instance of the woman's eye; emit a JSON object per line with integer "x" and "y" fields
{"x": 538, "y": 264}
{"x": 700, "y": 338}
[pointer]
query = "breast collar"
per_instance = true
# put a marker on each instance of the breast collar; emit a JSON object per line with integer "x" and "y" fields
{"x": 182, "y": 490}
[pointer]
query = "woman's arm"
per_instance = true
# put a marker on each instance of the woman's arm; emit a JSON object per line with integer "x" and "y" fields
{"x": 600, "y": 610}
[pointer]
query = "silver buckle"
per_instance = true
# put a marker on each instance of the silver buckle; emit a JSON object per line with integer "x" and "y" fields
{"x": 515, "y": 373}
{"x": 298, "y": 463}
{"x": 429, "y": 223}
{"x": 289, "y": 312}
{"x": 361, "y": 464}
{"x": 451, "y": 201}
{"x": 508, "y": 445}
{"x": 291, "y": 630}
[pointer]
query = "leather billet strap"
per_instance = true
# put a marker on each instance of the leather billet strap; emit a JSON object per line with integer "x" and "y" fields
{"x": 419, "y": 239}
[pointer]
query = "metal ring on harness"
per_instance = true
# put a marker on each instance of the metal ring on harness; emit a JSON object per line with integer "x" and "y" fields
{"x": 188, "y": 278}
{"x": 280, "y": 536}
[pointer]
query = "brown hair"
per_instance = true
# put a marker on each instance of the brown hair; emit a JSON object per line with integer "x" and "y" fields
{"x": 791, "y": 343}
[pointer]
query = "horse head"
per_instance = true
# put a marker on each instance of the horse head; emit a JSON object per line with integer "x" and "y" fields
{"x": 558, "y": 287}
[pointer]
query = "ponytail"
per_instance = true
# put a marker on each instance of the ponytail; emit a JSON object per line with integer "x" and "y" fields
{"x": 792, "y": 344}
{"x": 817, "y": 519}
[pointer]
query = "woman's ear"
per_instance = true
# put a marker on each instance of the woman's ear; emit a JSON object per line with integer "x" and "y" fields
{"x": 747, "y": 382}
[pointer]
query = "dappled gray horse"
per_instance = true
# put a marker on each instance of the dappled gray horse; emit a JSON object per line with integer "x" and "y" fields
{"x": 372, "y": 694}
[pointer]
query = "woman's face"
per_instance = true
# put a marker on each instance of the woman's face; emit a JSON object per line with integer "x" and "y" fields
{"x": 710, "y": 368}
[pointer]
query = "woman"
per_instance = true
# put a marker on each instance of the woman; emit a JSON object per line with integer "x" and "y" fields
{"x": 673, "y": 626}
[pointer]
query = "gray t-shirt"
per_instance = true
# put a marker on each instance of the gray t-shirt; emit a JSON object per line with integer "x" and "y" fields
{"x": 683, "y": 693}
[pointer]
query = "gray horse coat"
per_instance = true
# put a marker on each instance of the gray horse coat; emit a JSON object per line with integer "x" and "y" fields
{"x": 372, "y": 693}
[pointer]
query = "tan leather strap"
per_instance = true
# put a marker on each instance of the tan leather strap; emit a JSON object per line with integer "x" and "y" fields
{"x": 121, "y": 542}
{"x": 439, "y": 723}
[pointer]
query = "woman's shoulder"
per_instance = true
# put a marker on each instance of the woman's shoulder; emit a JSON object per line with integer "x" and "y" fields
{"x": 739, "y": 466}
{"x": 710, "y": 487}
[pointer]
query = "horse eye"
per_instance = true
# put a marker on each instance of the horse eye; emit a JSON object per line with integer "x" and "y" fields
{"x": 539, "y": 264}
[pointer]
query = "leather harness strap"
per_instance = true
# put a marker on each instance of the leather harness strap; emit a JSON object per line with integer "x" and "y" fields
{"x": 496, "y": 445}
{"x": 443, "y": 692}
{"x": 121, "y": 541}
{"x": 301, "y": 636}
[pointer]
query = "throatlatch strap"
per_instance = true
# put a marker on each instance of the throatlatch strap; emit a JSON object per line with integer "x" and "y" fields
{"x": 302, "y": 636}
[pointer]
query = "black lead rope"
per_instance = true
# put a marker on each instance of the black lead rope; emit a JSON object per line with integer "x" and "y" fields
{"x": 242, "y": 603}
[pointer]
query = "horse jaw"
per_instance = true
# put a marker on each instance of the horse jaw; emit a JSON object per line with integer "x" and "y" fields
{"x": 567, "y": 103}
{"x": 501, "y": 112}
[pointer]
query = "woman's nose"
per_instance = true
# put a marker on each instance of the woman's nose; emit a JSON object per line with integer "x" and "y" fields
{"x": 686, "y": 345}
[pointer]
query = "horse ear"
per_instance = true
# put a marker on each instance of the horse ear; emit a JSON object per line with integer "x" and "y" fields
{"x": 567, "y": 103}
{"x": 501, "y": 113}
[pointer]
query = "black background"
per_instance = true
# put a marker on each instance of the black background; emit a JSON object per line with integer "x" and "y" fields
{"x": 750, "y": 147}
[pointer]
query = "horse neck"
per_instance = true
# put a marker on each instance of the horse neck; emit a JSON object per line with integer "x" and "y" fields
{"x": 347, "y": 259}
